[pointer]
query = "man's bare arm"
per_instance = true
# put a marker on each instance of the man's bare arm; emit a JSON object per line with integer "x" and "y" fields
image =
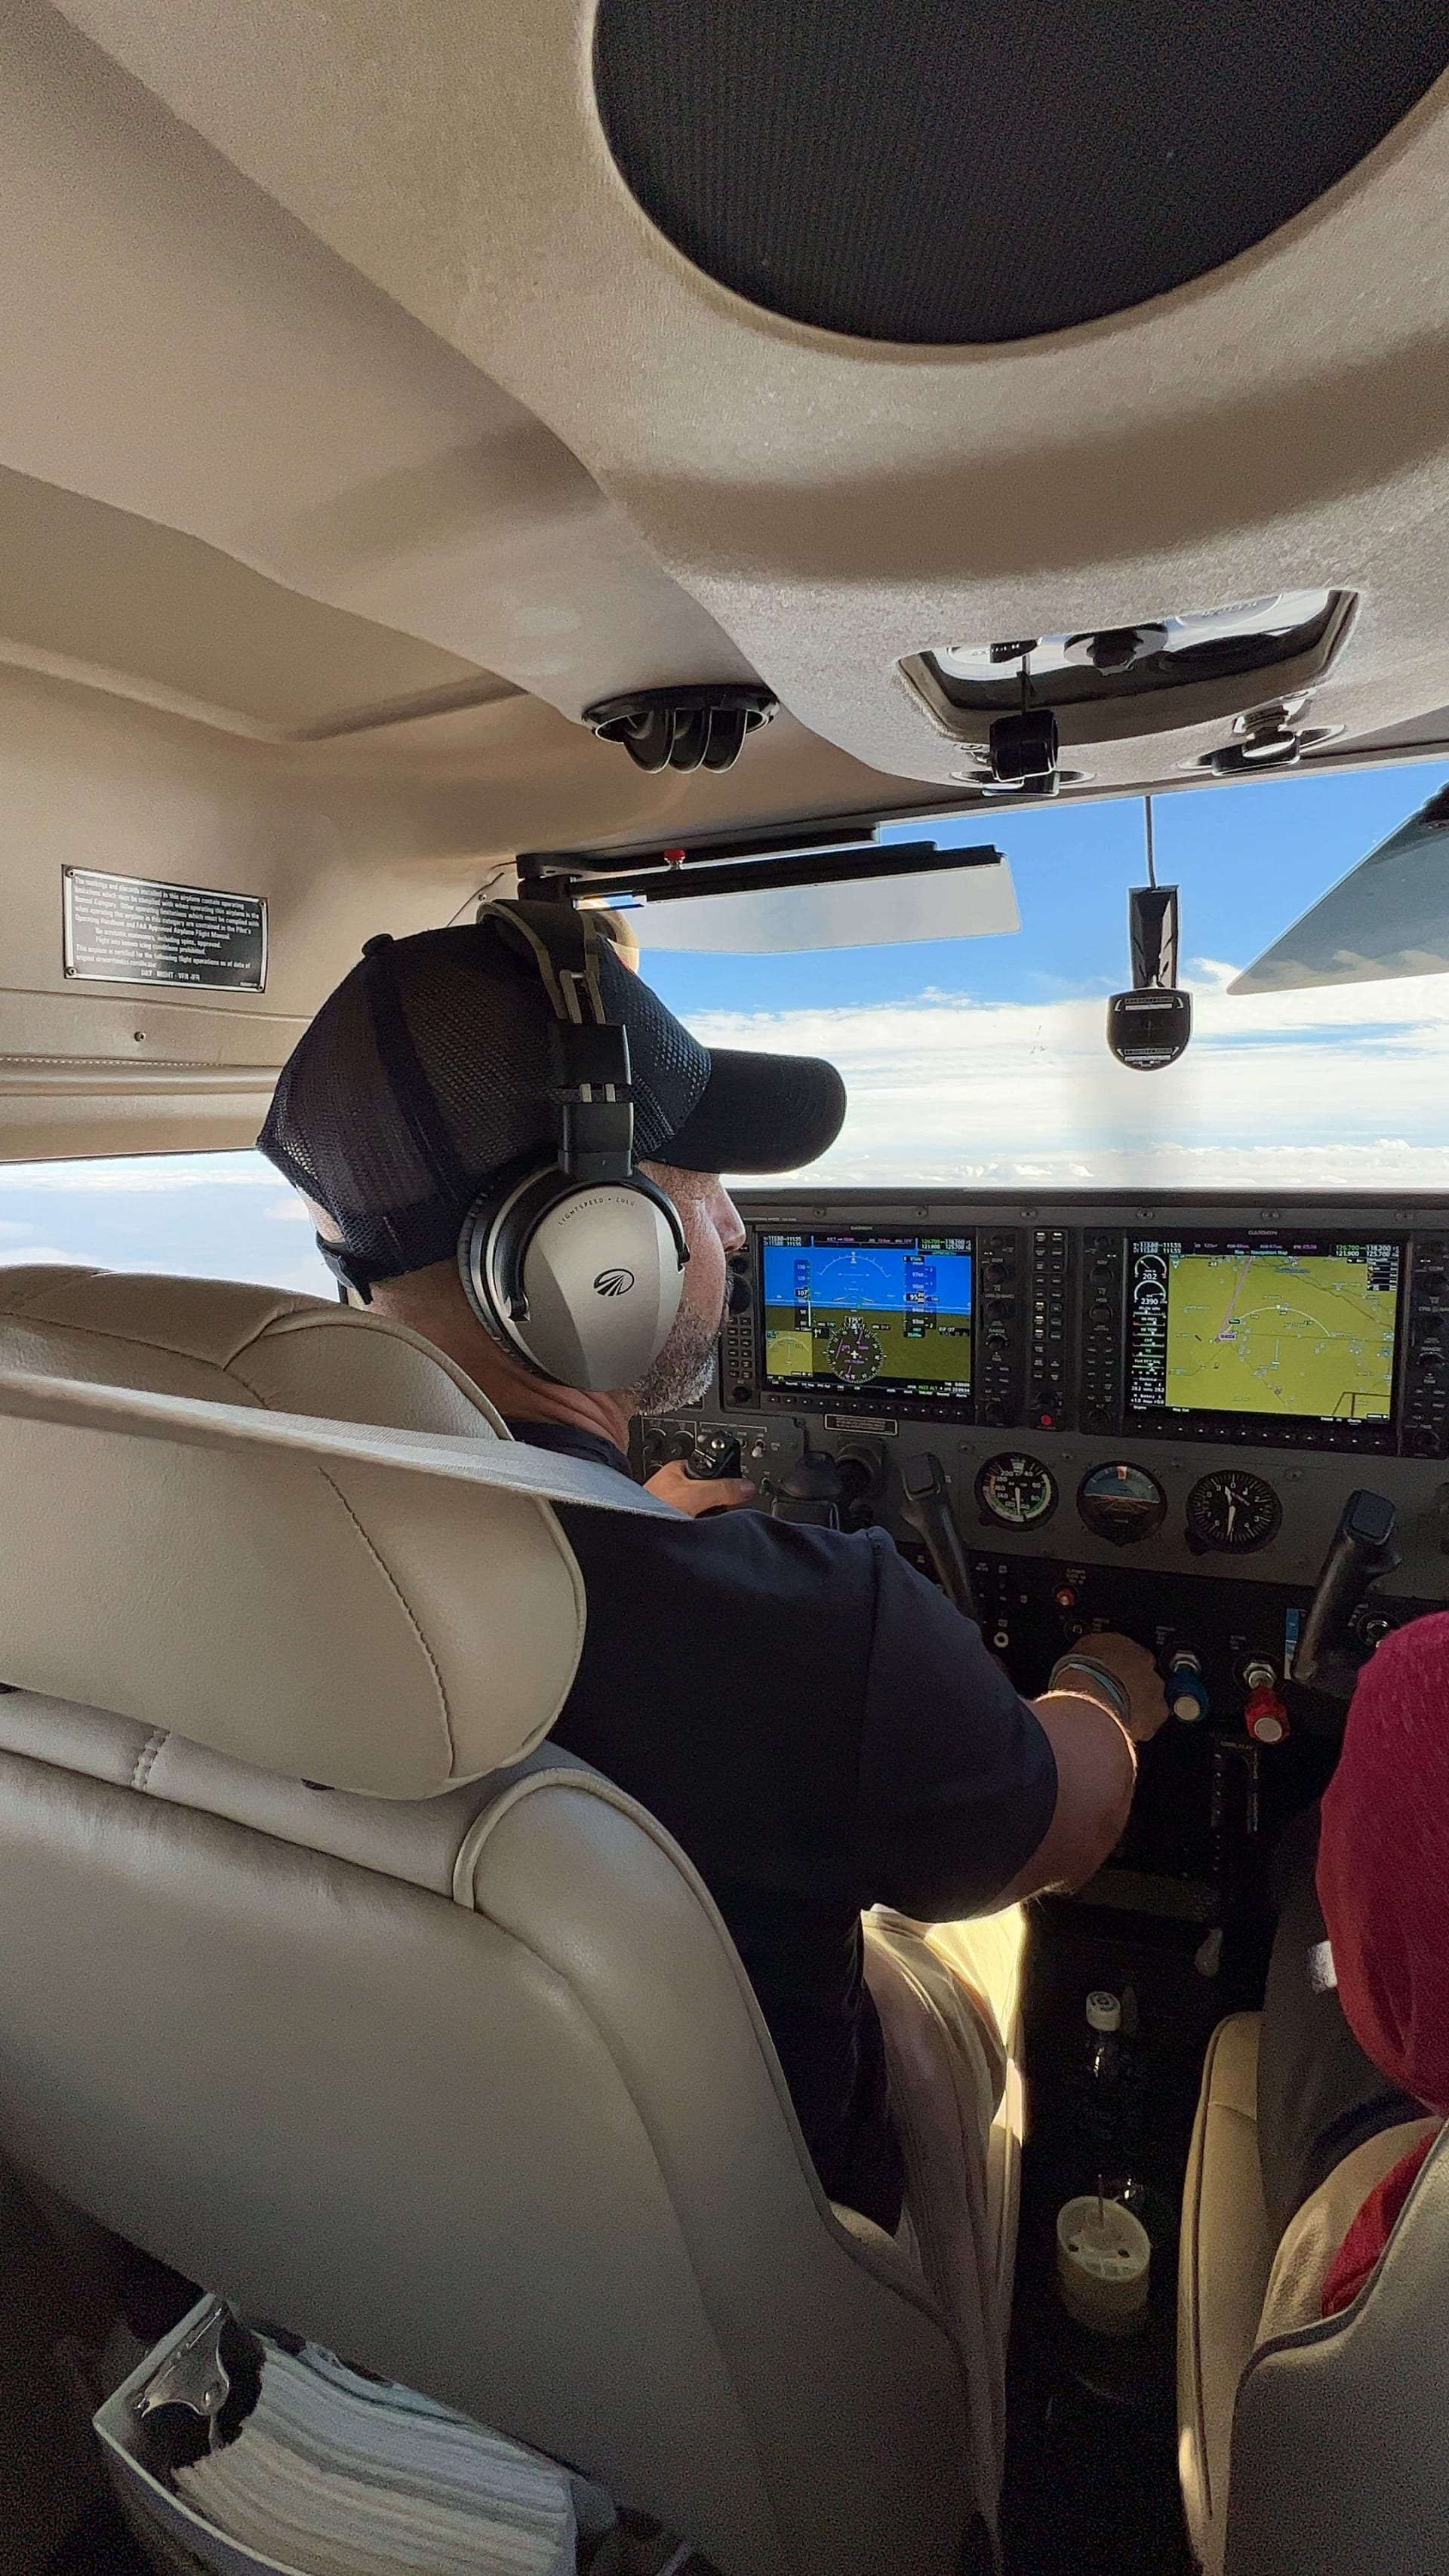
{"x": 1094, "y": 1747}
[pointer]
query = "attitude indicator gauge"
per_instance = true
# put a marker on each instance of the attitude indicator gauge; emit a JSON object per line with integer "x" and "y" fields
{"x": 1121, "y": 1503}
{"x": 1232, "y": 1512}
{"x": 1016, "y": 1491}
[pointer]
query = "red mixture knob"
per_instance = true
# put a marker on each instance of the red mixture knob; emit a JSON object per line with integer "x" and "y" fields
{"x": 1266, "y": 1718}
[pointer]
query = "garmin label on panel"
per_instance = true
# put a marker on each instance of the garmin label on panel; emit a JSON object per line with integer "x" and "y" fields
{"x": 133, "y": 930}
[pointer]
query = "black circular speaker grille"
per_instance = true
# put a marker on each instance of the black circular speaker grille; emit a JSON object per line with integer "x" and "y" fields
{"x": 911, "y": 170}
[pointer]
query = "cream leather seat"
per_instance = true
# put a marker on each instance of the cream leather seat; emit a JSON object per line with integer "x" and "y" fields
{"x": 1308, "y": 2446}
{"x": 325, "y": 1980}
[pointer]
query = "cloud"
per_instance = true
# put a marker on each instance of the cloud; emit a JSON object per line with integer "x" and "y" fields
{"x": 1342, "y": 1087}
{"x": 1326, "y": 1089}
{"x": 145, "y": 1174}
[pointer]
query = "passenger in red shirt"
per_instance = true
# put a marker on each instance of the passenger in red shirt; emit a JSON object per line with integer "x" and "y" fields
{"x": 1383, "y": 1884}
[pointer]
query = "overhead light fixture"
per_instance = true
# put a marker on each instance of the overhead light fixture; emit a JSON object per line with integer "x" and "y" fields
{"x": 1155, "y": 674}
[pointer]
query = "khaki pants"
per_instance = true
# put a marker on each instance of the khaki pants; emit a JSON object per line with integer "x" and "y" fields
{"x": 948, "y": 1995}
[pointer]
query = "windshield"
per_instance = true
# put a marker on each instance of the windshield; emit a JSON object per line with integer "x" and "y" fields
{"x": 984, "y": 1060}
{"x": 977, "y": 1060}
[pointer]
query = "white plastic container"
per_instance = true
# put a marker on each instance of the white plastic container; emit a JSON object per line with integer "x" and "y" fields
{"x": 1104, "y": 2261}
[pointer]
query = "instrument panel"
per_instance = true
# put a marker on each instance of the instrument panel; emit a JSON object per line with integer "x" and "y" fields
{"x": 1191, "y": 1385}
{"x": 1145, "y": 1415}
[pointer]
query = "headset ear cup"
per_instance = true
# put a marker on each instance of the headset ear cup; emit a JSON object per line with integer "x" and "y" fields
{"x": 580, "y": 1283}
{"x": 473, "y": 1271}
{"x": 601, "y": 1279}
{"x": 492, "y": 1241}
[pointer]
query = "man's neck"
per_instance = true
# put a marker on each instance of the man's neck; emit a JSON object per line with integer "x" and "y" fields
{"x": 444, "y": 1320}
{"x": 537, "y": 1400}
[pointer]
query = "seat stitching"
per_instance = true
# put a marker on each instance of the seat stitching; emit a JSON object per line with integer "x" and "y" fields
{"x": 300, "y": 1310}
{"x": 146, "y": 1758}
{"x": 304, "y": 1319}
{"x": 410, "y": 1615}
{"x": 232, "y": 1371}
{"x": 26, "y": 1302}
{"x": 378, "y": 1560}
{"x": 1216, "y": 2505}
{"x": 133, "y": 1341}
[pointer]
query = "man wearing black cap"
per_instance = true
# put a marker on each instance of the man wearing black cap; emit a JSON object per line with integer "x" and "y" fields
{"x": 814, "y": 1723}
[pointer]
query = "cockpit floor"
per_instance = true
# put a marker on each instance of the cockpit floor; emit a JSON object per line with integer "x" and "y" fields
{"x": 1091, "y": 2475}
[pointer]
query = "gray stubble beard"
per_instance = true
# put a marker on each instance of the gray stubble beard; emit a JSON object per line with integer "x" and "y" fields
{"x": 684, "y": 1370}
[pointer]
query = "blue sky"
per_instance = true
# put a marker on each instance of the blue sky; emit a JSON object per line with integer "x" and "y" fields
{"x": 977, "y": 1061}
{"x": 1249, "y": 858}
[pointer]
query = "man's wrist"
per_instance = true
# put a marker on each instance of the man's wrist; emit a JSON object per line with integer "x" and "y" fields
{"x": 1106, "y": 1688}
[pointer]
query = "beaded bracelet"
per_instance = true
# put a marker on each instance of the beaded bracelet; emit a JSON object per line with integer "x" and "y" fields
{"x": 1115, "y": 1689}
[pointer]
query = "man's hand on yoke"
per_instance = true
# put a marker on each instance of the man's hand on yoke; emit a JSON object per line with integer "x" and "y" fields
{"x": 696, "y": 1495}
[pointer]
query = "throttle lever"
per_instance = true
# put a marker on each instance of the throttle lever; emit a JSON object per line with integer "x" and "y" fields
{"x": 925, "y": 1504}
{"x": 1328, "y": 1659}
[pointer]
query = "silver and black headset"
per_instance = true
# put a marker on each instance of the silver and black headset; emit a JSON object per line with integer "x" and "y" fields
{"x": 575, "y": 1266}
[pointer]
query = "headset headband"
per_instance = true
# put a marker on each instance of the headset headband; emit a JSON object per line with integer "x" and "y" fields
{"x": 588, "y": 1057}
{"x": 590, "y": 1087}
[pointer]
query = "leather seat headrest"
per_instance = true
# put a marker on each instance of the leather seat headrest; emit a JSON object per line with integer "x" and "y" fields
{"x": 284, "y": 1529}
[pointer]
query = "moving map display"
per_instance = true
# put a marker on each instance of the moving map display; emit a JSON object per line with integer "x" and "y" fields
{"x": 866, "y": 1307}
{"x": 1303, "y": 1329}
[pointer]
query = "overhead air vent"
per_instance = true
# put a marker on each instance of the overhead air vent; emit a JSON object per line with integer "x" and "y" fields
{"x": 932, "y": 171}
{"x": 684, "y": 728}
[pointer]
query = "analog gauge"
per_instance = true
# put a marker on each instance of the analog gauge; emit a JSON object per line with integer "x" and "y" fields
{"x": 1016, "y": 1491}
{"x": 1233, "y": 1511}
{"x": 855, "y": 1353}
{"x": 1121, "y": 1503}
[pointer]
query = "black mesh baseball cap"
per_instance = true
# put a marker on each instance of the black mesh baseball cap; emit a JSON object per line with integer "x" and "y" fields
{"x": 427, "y": 1075}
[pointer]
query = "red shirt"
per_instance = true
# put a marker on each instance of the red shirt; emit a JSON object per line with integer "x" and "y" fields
{"x": 1371, "y": 2231}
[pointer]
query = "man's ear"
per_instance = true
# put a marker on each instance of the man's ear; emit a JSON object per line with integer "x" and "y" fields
{"x": 322, "y": 1223}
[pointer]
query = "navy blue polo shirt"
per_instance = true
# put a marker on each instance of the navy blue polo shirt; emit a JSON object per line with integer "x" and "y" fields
{"x": 821, "y": 1731}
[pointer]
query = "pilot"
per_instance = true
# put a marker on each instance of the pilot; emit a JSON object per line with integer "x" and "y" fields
{"x": 808, "y": 1716}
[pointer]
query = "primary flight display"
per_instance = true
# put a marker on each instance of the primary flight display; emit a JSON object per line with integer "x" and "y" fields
{"x": 1301, "y": 1329}
{"x": 868, "y": 1308}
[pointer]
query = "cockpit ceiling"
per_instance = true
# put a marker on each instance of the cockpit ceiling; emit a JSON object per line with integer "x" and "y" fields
{"x": 345, "y": 375}
{"x": 98, "y": 594}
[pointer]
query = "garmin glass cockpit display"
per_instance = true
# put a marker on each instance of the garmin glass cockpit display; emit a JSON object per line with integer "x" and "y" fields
{"x": 1324, "y": 1338}
{"x": 866, "y": 1306}
{"x": 1301, "y": 1329}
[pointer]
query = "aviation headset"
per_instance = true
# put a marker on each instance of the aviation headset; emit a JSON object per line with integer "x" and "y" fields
{"x": 575, "y": 1266}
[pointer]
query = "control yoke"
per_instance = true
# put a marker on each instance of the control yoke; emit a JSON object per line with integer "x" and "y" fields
{"x": 925, "y": 1504}
{"x": 1329, "y": 1656}
{"x": 811, "y": 1493}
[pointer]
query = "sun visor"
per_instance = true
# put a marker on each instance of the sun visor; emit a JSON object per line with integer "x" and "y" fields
{"x": 875, "y": 912}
